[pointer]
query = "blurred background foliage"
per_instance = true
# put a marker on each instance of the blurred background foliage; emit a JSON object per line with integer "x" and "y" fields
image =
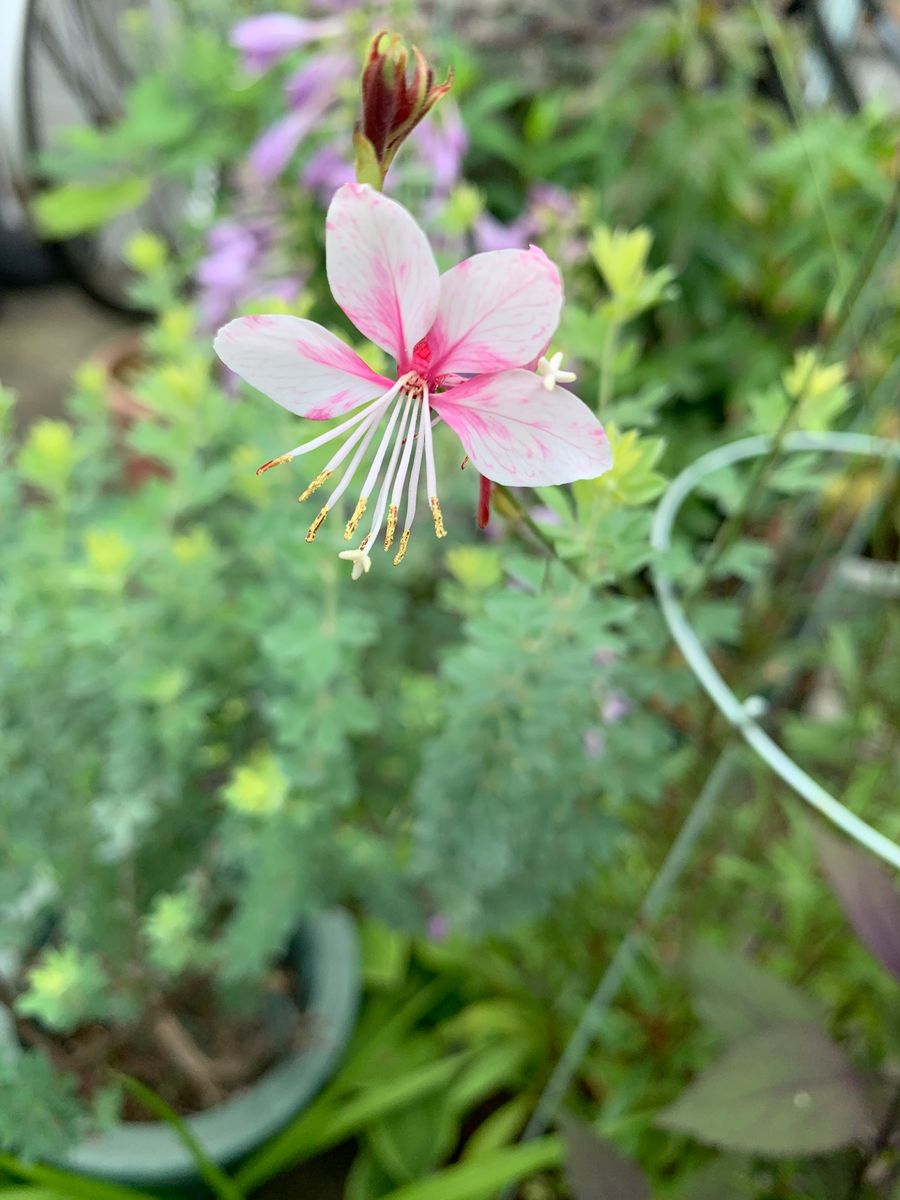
{"x": 208, "y": 731}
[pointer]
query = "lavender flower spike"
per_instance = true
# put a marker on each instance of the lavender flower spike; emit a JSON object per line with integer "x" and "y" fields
{"x": 265, "y": 40}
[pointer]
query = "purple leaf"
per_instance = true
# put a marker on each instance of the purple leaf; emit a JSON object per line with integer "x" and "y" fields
{"x": 735, "y": 996}
{"x": 780, "y": 1092}
{"x": 596, "y": 1170}
{"x": 867, "y": 893}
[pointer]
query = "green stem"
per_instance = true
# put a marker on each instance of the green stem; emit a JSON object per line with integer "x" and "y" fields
{"x": 523, "y": 517}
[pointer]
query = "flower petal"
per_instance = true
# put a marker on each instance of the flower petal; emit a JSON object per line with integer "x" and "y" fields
{"x": 517, "y": 433}
{"x": 299, "y": 364}
{"x": 381, "y": 269}
{"x": 496, "y": 310}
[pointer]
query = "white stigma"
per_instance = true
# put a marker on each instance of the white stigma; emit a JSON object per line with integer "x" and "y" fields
{"x": 362, "y": 564}
{"x": 550, "y": 374}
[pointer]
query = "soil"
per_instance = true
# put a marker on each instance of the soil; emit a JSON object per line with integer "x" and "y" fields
{"x": 188, "y": 1050}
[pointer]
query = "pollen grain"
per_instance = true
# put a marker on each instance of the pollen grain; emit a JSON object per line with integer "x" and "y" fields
{"x": 401, "y": 551}
{"x": 316, "y": 525}
{"x": 314, "y": 486}
{"x": 350, "y": 528}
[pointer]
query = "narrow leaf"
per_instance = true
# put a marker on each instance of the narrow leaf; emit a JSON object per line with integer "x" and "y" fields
{"x": 596, "y": 1170}
{"x": 867, "y": 893}
{"x": 71, "y": 1187}
{"x": 224, "y": 1187}
{"x": 780, "y": 1092}
{"x": 483, "y": 1177}
{"x": 326, "y": 1125}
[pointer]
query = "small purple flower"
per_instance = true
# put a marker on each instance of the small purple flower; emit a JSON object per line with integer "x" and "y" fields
{"x": 272, "y": 152}
{"x": 316, "y": 78}
{"x": 550, "y": 199}
{"x": 265, "y": 40}
{"x": 616, "y": 706}
{"x": 605, "y": 656}
{"x": 438, "y": 928}
{"x": 325, "y": 172}
{"x": 309, "y": 92}
{"x": 442, "y": 143}
{"x": 491, "y": 234}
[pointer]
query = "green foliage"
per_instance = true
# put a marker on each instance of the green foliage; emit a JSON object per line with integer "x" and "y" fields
{"x": 64, "y": 987}
{"x": 507, "y": 808}
{"x": 208, "y": 731}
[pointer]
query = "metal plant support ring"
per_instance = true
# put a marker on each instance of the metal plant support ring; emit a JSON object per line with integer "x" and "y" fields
{"x": 743, "y": 716}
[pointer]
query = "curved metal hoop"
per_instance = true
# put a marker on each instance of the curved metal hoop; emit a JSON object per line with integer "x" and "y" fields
{"x": 742, "y": 716}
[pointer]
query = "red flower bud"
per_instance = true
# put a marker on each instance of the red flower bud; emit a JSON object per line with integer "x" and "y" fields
{"x": 392, "y": 104}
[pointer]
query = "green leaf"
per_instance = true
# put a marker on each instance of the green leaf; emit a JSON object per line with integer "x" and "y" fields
{"x": 409, "y": 1143}
{"x": 77, "y": 208}
{"x": 224, "y": 1187}
{"x": 367, "y": 1179}
{"x": 385, "y": 954}
{"x": 326, "y": 1124}
{"x": 734, "y": 996}
{"x": 481, "y": 1178}
{"x": 71, "y": 1187}
{"x": 499, "y": 1129}
{"x": 780, "y": 1092}
{"x": 496, "y": 1065}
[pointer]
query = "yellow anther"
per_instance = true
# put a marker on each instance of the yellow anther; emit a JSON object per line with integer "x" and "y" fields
{"x": 355, "y": 519}
{"x": 391, "y": 527}
{"x": 439, "y": 530}
{"x": 273, "y": 462}
{"x": 365, "y": 541}
{"x": 316, "y": 525}
{"x": 404, "y": 542}
{"x": 314, "y": 486}
{"x": 464, "y": 463}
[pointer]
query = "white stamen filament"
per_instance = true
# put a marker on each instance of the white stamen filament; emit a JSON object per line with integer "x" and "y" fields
{"x": 416, "y": 472}
{"x": 324, "y": 438}
{"x": 381, "y": 503}
{"x": 430, "y": 471}
{"x": 380, "y": 453}
{"x": 348, "y": 475}
{"x": 366, "y": 427}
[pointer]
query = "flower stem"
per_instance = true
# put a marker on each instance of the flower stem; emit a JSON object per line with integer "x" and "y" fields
{"x": 523, "y": 517}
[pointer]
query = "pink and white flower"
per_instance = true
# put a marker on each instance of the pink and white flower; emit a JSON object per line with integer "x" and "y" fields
{"x": 464, "y": 344}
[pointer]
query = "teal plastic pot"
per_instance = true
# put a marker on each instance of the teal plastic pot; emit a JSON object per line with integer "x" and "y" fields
{"x": 149, "y": 1153}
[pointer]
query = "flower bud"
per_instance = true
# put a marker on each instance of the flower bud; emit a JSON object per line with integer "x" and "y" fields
{"x": 392, "y": 104}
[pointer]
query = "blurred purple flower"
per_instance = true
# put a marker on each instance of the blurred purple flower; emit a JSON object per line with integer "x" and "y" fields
{"x": 265, "y": 40}
{"x": 544, "y": 515}
{"x": 318, "y": 77}
{"x": 594, "y": 742}
{"x": 491, "y": 234}
{"x": 605, "y": 656}
{"x": 234, "y": 250}
{"x": 616, "y": 706}
{"x": 438, "y": 928}
{"x": 309, "y": 92}
{"x": 235, "y": 269}
{"x": 326, "y": 171}
{"x": 548, "y": 198}
{"x": 442, "y": 142}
